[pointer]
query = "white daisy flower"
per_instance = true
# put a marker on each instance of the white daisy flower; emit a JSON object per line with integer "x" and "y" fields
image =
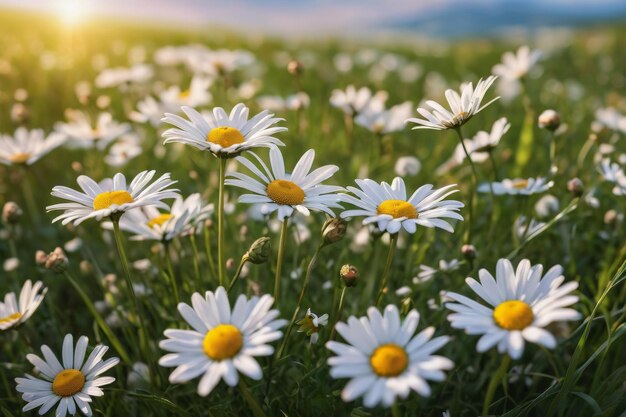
{"x": 525, "y": 228}
{"x": 219, "y": 62}
{"x": 223, "y": 135}
{"x": 27, "y": 147}
{"x": 518, "y": 186}
{"x": 353, "y": 101}
{"x": 311, "y": 324}
{"x": 148, "y": 223}
{"x": 277, "y": 190}
{"x": 522, "y": 303}
{"x": 14, "y": 313}
{"x": 611, "y": 118}
{"x": 407, "y": 166}
{"x": 384, "y": 360}
{"x": 81, "y": 133}
{"x": 462, "y": 107}
{"x": 120, "y": 76}
{"x": 127, "y": 147}
{"x": 71, "y": 383}
{"x": 385, "y": 120}
{"x": 516, "y": 66}
{"x": 388, "y": 206}
{"x": 111, "y": 196}
{"x": 612, "y": 172}
{"x": 196, "y": 95}
{"x": 222, "y": 342}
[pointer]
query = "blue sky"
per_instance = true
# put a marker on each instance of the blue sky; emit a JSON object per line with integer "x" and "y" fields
{"x": 308, "y": 17}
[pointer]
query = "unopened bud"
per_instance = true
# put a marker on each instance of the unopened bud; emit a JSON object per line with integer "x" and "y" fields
{"x": 85, "y": 267}
{"x": 334, "y": 230}
{"x": 259, "y": 251}
{"x": 230, "y": 264}
{"x": 349, "y": 275}
{"x": 40, "y": 257}
{"x": 295, "y": 67}
{"x": 576, "y": 187}
{"x": 11, "y": 213}
{"x": 610, "y": 217}
{"x": 468, "y": 251}
{"x": 549, "y": 120}
{"x": 57, "y": 261}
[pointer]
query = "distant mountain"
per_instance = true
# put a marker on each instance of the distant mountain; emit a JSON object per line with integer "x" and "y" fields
{"x": 495, "y": 18}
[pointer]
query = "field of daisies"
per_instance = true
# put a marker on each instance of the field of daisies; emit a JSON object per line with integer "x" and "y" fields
{"x": 206, "y": 224}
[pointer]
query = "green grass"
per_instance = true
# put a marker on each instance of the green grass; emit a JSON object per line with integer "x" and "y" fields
{"x": 584, "y": 376}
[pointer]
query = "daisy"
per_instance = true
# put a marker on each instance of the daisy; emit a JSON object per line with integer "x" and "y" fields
{"x": 311, "y": 324}
{"x": 71, "y": 383}
{"x": 120, "y": 76}
{"x": 611, "y": 118}
{"x": 196, "y": 95}
{"x": 384, "y": 359}
{"x": 516, "y": 66}
{"x": 223, "y": 342}
{"x": 384, "y": 121}
{"x": 12, "y": 313}
{"x": 148, "y": 223}
{"x": 463, "y": 107}
{"x": 388, "y": 206}
{"x": 612, "y": 172}
{"x": 276, "y": 190}
{"x": 27, "y": 147}
{"x": 522, "y": 303}
{"x": 111, "y": 196}
{"x": 518, "y": 186}
{"x": 353, "y": 101}
{"x": 225, "y": 136}
{"x": 82, "y": 134}
{"x": 219, "y": 62}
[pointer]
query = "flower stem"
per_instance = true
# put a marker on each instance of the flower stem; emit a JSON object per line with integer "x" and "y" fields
{"x": 196, "y": 260}
{"x": 170, "y": 271}
{"x": 220, "y": 225}
{"x": 383, "y": 285}
{"x": 115, "y": 342}
{"x": 333, "y": 332}
{"x": 305, "y": 283}
{"x": 29, "y": 197}
{"x": 236, "y": 277}
{"x": 395, "y": 410}
{"x": 209, "y": 252}
{"x": 252, "y": 403}
{"x": 473, "y": 183}
{"x": 493, "y": 384}
{"x": 279, "y": 260}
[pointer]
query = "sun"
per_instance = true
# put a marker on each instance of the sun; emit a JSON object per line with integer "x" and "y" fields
{"x": 73, "y": 12}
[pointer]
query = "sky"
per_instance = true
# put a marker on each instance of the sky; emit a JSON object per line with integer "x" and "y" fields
{"x": 333, "y": 17}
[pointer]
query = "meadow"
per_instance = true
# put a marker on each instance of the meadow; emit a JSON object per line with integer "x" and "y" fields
{"x": 549, "y": 189}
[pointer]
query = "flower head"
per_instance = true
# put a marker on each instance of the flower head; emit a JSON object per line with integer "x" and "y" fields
{"x": 223, "y": 342}
{"x": 225, "y": 136}
{"x": 383, "y": 358}
{"x": 462, "y": 107}
{"x": 516, "y": 66}
{"x": 27, "y": 147}
{"x": 311, "y": 324}
{"x": 388, "y": 206}
{"x": 111, "y": 196}
{"x": 14, "y": 312}
{"x": 70, "y": 383}
{"x": 521, "y": 302}
{"x": 518, "y": 186}
{"x": 277, "y": 190}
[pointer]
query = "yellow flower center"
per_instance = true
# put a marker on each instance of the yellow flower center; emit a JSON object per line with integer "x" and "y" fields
{"x": 184, "y": 94}
{"x": 159, "y": 220}
{"x": 68, "y": 382}
{"x": 20, "y": 158}
{"x": 11, "y": 318}
{"x": 513, "y": 315}
{"x": 397, "y": 208}
{"x": 222, "y": 342}
{"x": 520, "y": 184}
{"x": 225, "y": 136}
{"x": 108, "y": 198}
{"x": 285, "y": 192}
{"x": 389, "y": 360}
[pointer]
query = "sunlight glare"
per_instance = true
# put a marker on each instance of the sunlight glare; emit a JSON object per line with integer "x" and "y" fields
{"x": 73, "y": 12}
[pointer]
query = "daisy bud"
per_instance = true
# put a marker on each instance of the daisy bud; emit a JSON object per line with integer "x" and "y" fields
{"x": 576, "y": 187}
{"x": 40, "y": 257}
{"x": 549, "y": 120}
{"x": 230, "y": 264}
{"x": 11, "y": 213}
{"x": 295, "y": 67}
{"x": 243, "y": 231}
{"x": 610, "y": 217}
{"x": 85, "y": 267}
{"x": 259, "y": 251}
{"x": 468, "y": 251}
{"x": 11, "y": 264}
{"x": 77, "y": 166}
{"x": 57, "y": 261}
{"x": 20, "y": 113}
{"x": 349, "y": 275}
{"x": 334, "y": 230}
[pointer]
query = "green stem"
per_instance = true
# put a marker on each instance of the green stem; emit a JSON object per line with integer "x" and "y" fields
{"x": 209, "y": 252}
{"x": 170, "y": 271}
{"x": 333, "y": 332}
{"x": 115, "y": 342}
{"x": 279, "y": 260}
{"x": 196, "y": 260}
{"x": 297, "y": 310}
{"x": 220, "y": 225}
{"x": 29, "y": 197}
{"x": 493, "y": 165}
{"x": 473, "y": 184}
{"x": 383, "y": 285}
{"x": 243, "y": 261}
{"x": 495, "y": 381}
{"x": 252, "y": 403}
{"x": 395, "y": 410}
